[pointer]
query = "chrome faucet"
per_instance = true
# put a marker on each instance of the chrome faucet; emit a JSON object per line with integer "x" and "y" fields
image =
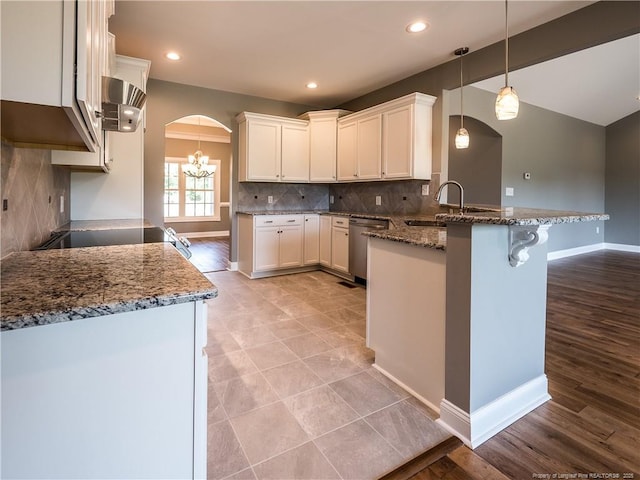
{"x": 451, "y": 182}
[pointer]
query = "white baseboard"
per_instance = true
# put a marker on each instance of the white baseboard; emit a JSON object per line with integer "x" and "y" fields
{"x": 221, "y": 233}
{"x": 477, "y": 427}
{"x": 570, "y": 252}
{"x": 435, "y": 408}
{"x": 622, "y": 247}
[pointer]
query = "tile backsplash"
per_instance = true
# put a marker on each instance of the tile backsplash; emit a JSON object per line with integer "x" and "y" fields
{"x": 31, "y": 188}
{"x": 403, "y": 197}
{"x": 254, "y": 197}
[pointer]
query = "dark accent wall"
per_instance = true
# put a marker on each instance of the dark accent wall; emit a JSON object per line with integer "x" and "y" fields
{"x": 478, "y": 167}
{"x": 32, "y": 188}
{"x": 622, "y": 180}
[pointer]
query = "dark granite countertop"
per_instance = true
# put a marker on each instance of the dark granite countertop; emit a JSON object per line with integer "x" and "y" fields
{"x": 520, "y": 216}
{"x": 51, "y": 286}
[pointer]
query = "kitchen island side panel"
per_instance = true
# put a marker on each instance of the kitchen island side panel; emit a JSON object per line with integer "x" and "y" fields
{"x": 109, "y": 396}
{"x": 406, "y": 299}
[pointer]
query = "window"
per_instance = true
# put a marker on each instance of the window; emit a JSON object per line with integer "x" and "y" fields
{"x": 187, "y": 198}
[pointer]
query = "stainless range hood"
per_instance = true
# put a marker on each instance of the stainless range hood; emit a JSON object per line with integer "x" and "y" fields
{"x": 122, "y": 105}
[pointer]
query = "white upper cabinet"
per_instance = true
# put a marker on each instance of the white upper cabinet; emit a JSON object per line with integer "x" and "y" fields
{"x": 273, "y": 149}
{"x": 388, "y": 141}
{"x": 323, "y": 131}
{"x": 295, "y": 152}
{"x": 406, "y": 137}
{"x": 44, "y": 43}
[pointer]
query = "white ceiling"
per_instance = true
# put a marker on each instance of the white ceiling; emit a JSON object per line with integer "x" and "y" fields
{"x": 271, "y": 49}
{"x": 599, "y": 85}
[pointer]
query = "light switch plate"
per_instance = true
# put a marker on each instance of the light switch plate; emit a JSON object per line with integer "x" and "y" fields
{"x": 508, "y": 191}
{"x": 425, "y": 189}
{"x": 270, "y": 199}
{"x": 378, "y": 200}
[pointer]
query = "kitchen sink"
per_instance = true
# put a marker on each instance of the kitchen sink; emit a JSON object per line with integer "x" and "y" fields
{"x": 424, "y": 223}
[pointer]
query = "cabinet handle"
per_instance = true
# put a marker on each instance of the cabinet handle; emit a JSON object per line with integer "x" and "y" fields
{"x": 277, "y": 176}
{"x": 268, "y": 221}
{"x": 291, "y": 221}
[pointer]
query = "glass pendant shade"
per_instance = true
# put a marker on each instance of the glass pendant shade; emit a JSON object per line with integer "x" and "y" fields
{"x": 507, "y": 104}
{"x": 462, "y": 138}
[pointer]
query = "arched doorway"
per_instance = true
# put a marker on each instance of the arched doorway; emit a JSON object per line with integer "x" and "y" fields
{"x": 479, "y": 167}
{"x": 197, "y": 207}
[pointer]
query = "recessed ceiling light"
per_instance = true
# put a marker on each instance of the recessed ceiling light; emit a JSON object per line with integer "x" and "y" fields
{"x": 173, "y": 56}
{"x": 312, "y": 85}
{"x": 416, "y": 27}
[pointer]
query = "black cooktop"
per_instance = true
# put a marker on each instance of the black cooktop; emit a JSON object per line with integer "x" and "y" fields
{"x": 101, "y": 238}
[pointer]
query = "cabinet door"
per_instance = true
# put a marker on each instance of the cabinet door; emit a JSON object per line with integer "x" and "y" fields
{"x": 263, "y": 150}
{"x": 291, "y": 242}
{"x": 340, "y": 249}
{"x": 397, "y": 143}
{"x": 311, "y": 239}
{"x": 90, "y": 63}
{"x": 347, "y": 151}
{"x": 266, "y": 248}
{"x": 325, "y": 240}
{"x": 369, "y": 147}
{"x": 323, "y": 150}
{"x": 295, "y": 153}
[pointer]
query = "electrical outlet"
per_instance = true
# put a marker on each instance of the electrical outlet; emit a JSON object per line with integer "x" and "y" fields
{"x": 508, "y": 191}
{"x": 425, "y": 189}
{"x": 597, "y": 230}
{"x": 61, "y": 203}
{"x": 331, "y": 199}
{"x": 378, "y": 200}
{"x": 270, "y": 199}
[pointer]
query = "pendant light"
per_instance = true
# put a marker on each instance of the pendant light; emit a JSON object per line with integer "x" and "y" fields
{"x": 462, "y": 136}
{"x": 198, "y": 166}
{"x": 507, "y": 103}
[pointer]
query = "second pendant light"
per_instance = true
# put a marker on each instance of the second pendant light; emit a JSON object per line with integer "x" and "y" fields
{"x": 462, "y": 136}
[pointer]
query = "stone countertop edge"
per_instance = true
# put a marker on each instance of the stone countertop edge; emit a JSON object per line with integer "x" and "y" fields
{"x": 521, "y": 216}
{"x": 428, "y": 237}
{"x": 53, "y": 286}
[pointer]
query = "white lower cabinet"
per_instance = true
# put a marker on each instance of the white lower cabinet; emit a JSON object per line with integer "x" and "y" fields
{"x": 340, "y": 244}
{"x": 269, "y": 242}
{"x": 325, "y": 240}
{"x": 276, "y": 244}
{"x": 311, "y": 239}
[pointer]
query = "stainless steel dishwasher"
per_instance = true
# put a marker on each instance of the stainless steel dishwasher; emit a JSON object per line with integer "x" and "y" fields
{"x": 358, "y": 244}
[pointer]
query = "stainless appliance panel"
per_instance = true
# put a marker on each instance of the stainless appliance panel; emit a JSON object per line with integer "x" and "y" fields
{"x": 358, "y": 244}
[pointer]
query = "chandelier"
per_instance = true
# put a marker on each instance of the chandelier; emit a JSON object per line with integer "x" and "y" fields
{"x": 198, "y": 166}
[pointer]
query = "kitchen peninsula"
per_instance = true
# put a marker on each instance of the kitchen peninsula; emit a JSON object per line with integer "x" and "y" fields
{"x": 103, "y": 370}
{"x": 457, "y": 315}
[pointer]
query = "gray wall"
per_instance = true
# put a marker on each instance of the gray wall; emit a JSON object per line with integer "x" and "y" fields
{"x": 479, "y": 167}
{"x": 167, "y": 102}
{"x": 32, "y": 188}
{"x": 622, "y": 181}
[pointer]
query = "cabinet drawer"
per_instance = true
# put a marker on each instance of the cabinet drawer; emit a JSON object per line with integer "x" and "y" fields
{"x": 340, "y": 222}
{"x": 279, "y": 220}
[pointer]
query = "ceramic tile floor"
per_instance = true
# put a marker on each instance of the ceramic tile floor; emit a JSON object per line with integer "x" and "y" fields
{"x": 292, "y": 394}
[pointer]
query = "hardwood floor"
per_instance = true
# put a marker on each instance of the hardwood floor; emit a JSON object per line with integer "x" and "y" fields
{"x": 210, "y": 254}
{"x": 591, "y": 426}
